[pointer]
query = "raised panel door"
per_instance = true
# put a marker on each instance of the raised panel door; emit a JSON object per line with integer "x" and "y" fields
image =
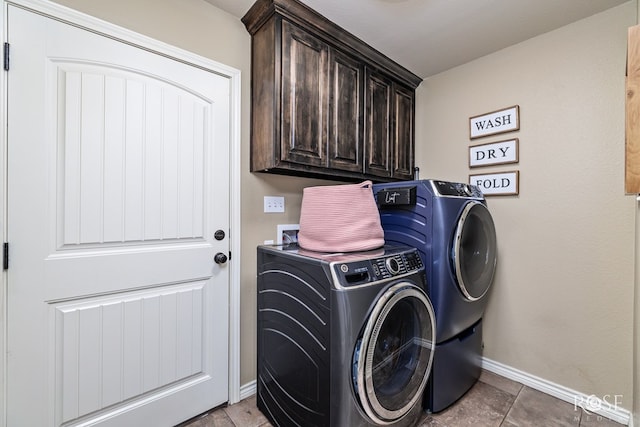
{"x": 378, "y": 125}
{"x": 117, "y": 314}
{"x": 403, "y": 132}
{"x": 346, "y": 117}
{"x": 304, "y": 97}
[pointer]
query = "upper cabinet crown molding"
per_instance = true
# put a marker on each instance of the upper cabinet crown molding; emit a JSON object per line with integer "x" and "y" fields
{"x": 323, "y": 102}
{"x": 307, "y": 18}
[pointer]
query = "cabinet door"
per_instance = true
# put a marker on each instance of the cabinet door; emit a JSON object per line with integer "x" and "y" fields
{"x": 304, "y": 97}
{"x": 345, "y": 113}
{"x": 403, "y": 132}
{"x": 378, "y": 125}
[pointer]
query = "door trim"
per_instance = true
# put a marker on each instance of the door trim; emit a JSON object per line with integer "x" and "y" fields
{"x": 99, "y": 26}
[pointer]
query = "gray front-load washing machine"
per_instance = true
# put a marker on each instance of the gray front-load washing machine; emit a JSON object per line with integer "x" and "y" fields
{"x": 343, "y": 339}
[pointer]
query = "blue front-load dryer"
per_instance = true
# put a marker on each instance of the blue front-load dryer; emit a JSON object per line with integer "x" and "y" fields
{"x": 453, "y": 230}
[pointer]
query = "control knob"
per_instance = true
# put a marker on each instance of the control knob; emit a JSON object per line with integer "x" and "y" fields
{"x": 393, "y": 266}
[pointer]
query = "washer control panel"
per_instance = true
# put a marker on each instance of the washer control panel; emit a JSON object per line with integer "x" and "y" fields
{"x": 354, "y": 273}
{"x": 457, "y": 189}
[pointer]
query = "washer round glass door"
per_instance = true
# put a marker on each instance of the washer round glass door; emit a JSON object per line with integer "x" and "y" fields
{"x": 474, "y": 251}
{"x": 392, "y": 360}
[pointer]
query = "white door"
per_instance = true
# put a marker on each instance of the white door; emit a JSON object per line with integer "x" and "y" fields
{"x": 117, "y": 182}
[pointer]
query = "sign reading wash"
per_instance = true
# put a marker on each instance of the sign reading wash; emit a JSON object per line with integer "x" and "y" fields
{"x": 500, "y": 121}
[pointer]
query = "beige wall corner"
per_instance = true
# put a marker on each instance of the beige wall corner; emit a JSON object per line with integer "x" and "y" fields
{"x": 561, "y": 307}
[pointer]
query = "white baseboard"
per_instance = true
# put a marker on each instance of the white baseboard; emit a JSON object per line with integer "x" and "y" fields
{"x": 248, "y": 389}
{"x": 606, "y": 409}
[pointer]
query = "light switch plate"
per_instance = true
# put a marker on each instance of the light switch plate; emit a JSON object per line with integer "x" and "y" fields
{"x": 273, "y": 204}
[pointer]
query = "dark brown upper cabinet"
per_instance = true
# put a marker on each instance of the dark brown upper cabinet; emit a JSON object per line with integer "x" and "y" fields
{"x": 324, "y": 103}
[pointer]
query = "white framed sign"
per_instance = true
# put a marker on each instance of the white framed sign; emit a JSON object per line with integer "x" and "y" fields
{"x": 497, "y": 184}
{"x": 494, "y": 153}
{"x": 505, "y": 120}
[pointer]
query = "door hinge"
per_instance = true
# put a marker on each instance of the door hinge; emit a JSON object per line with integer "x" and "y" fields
{"x": 6, "y": 56}
{"x": 5, "y": 256}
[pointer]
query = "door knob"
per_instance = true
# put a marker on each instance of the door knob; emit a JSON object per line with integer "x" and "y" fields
{"x": 220, "y": 258}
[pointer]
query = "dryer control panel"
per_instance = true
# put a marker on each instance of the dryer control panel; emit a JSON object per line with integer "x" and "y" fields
{"x": 355, "y": 273}
{"x": 457, "y": 189}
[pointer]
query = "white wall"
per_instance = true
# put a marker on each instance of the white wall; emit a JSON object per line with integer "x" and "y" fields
{"x": 561, "y": 307}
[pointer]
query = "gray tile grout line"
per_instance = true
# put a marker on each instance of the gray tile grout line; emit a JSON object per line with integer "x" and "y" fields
{"x": 506, "y": 415}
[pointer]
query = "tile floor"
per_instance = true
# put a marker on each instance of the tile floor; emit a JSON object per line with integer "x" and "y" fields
{"x": 494, "y": 401}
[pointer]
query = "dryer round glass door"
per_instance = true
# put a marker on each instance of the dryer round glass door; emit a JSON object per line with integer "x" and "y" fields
{"x": 474, "y": 251}
{"x": 392, "y": 360}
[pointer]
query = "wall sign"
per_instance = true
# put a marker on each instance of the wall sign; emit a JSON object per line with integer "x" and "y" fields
{"x": 494, "y": 153}
{"x": 497, "y": 184}
{"x": 500, "y": 121}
